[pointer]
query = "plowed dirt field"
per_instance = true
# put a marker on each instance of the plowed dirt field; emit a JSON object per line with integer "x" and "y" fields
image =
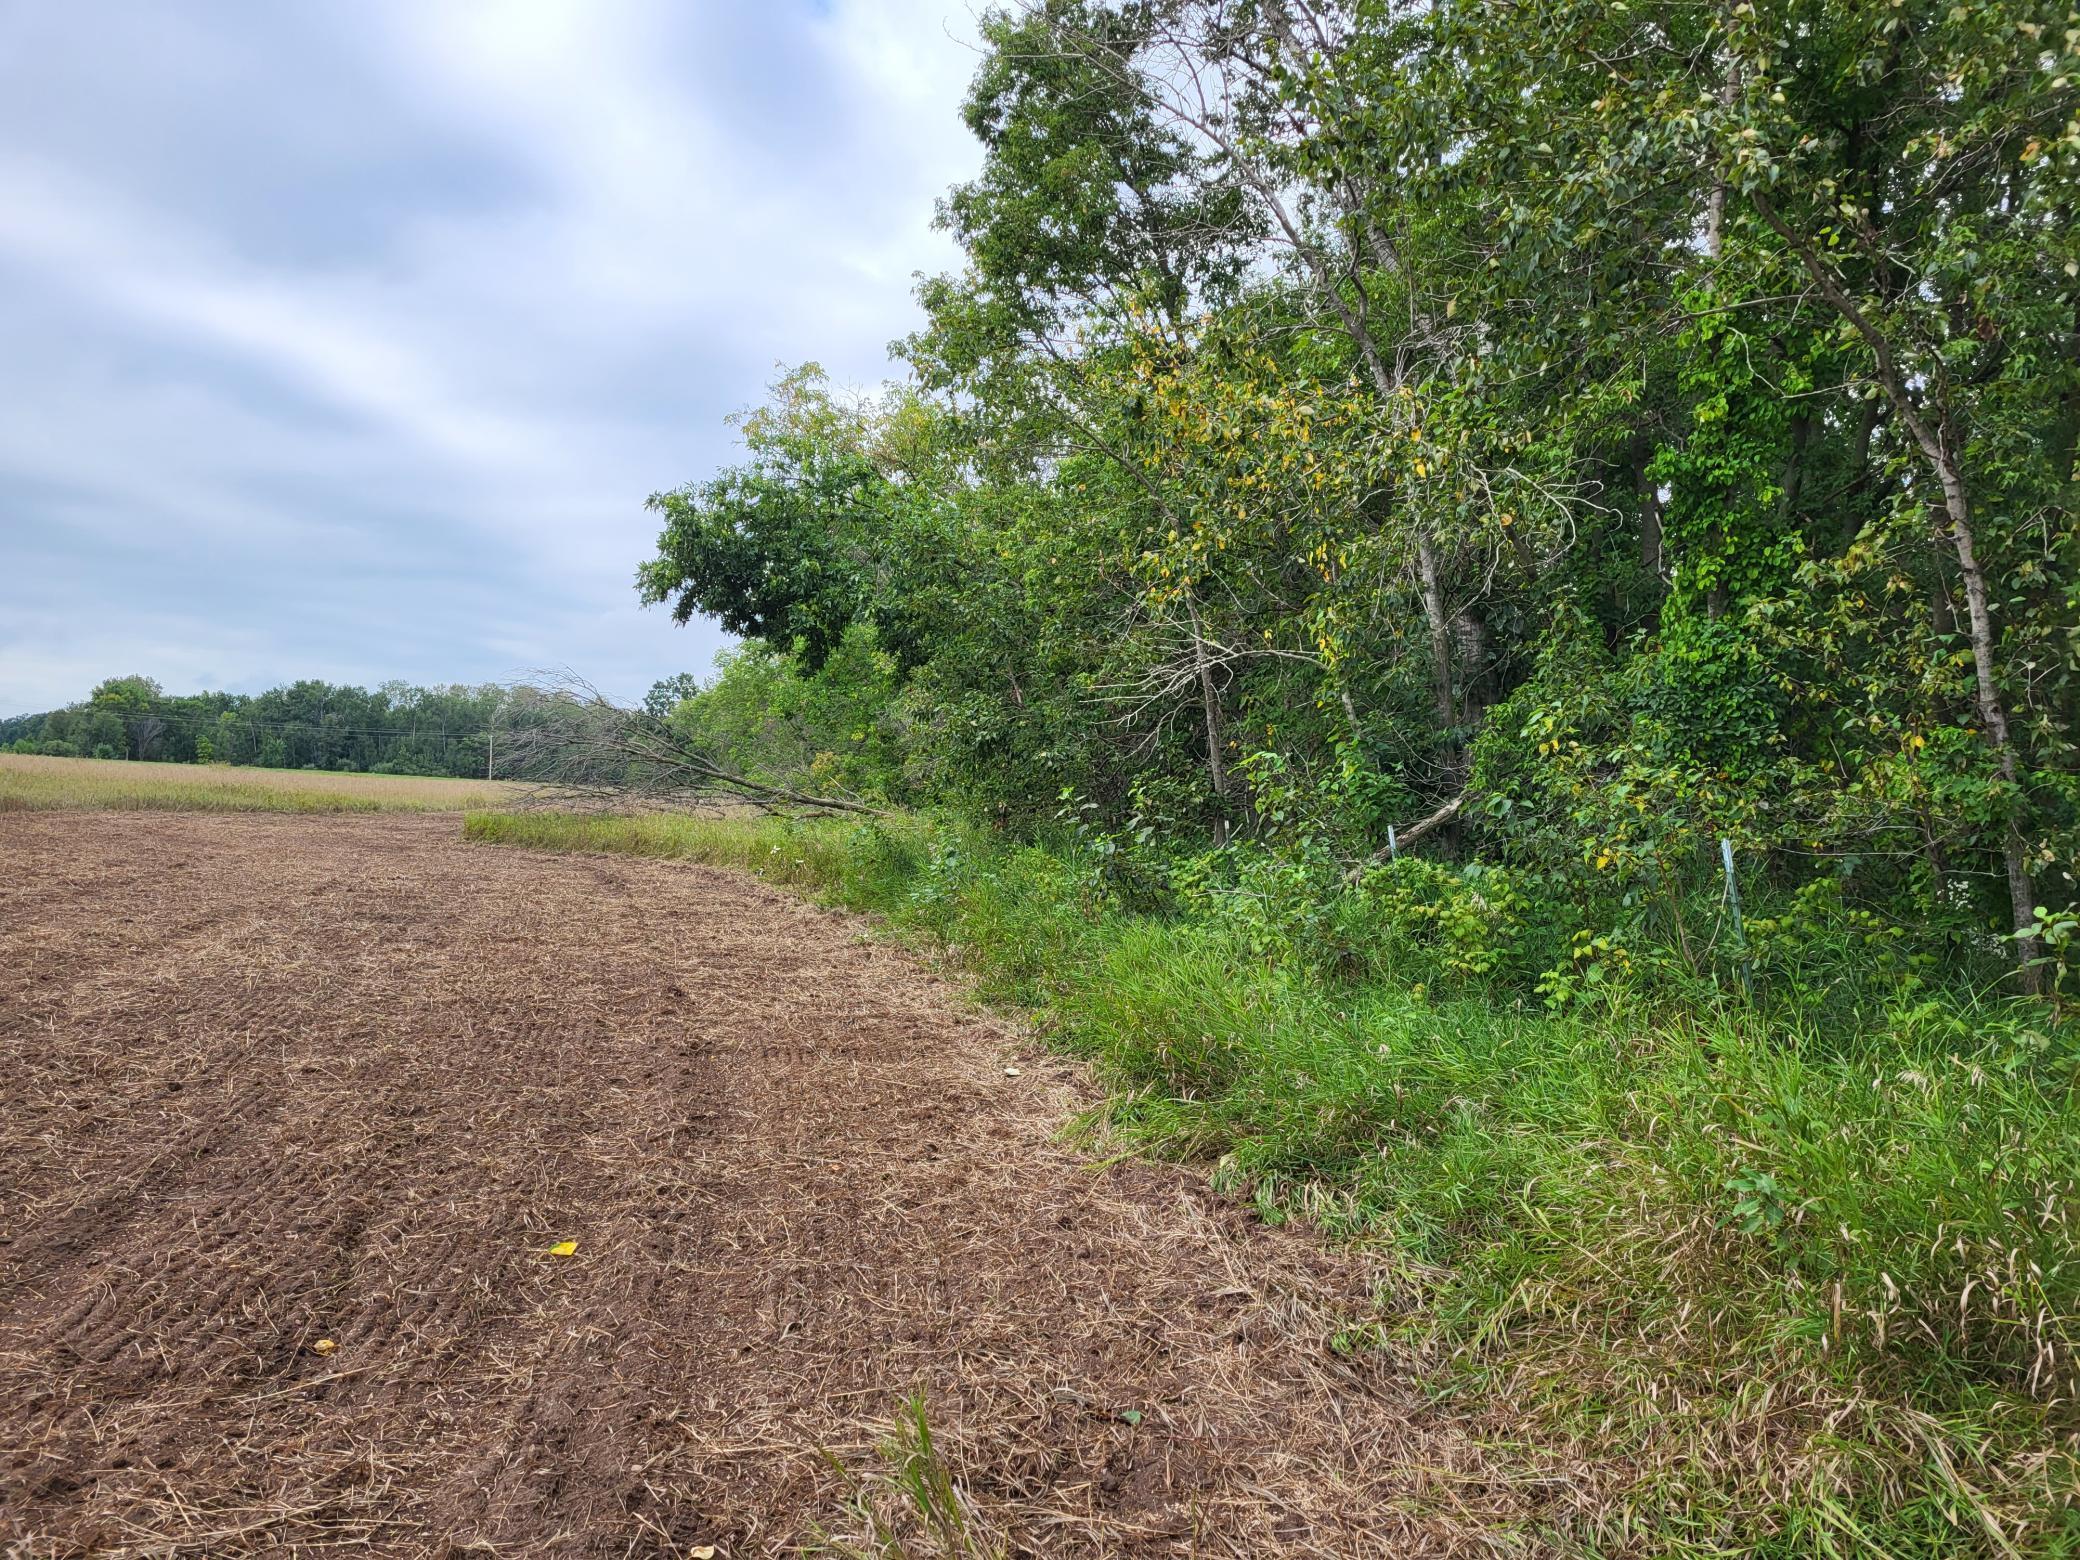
{"x": 294, "y": 1112}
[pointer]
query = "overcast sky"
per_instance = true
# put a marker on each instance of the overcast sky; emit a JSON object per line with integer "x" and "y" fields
{"x": 345, "y": 338}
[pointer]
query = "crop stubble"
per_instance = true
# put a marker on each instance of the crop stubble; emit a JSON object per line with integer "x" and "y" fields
{"x": 275, "y": 1080}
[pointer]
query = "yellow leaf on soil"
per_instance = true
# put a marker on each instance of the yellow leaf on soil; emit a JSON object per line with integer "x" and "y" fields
{"x": 323, "y": 1346}
{"x": 564, "y": 1248}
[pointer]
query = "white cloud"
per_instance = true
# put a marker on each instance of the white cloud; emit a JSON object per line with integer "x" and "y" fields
{"x": 386, "y": 383}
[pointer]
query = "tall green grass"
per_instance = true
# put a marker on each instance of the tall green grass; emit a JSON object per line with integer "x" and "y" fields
{"x": 1746, "y": 1287}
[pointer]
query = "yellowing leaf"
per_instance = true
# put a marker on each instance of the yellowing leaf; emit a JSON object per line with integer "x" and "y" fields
{"x": 564, "y": 1248}
{"x": 323, "y": 1346}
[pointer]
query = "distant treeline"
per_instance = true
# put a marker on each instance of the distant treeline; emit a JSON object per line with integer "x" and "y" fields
{"x": 394, "y": 729}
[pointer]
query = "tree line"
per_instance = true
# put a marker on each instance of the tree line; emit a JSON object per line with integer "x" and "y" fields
{"x": 1547, "y": 437}
{"x": 394, "y": 729}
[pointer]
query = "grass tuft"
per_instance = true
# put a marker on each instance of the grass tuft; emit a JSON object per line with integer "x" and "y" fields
{"x": 911, "y": 1507}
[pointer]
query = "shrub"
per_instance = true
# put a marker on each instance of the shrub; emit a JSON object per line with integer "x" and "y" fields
{"x": 1412, "y": 919}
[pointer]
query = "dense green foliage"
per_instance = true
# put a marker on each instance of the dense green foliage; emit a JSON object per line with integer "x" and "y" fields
{"x": 1652, "y": 424}
{"x": 396, "y": 729}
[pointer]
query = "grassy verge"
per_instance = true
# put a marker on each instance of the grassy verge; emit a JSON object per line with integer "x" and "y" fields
{"x": 1735, "y": 1288}
{"x": 30, "y": 783}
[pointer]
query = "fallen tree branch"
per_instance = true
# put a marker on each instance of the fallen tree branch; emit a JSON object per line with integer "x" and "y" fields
{"x": 1404, "y": 838}
{"x": 577, "y": 747}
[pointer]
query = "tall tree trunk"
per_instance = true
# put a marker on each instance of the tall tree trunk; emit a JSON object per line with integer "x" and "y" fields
{"x": 2022, "y": 899}
{"x": 1852, "y": 503}
{"x": 1210, "y": 703}
{"x": 1942, "y": 611}
{"x": 1470, "y": 642}
{"x": 1793, "y": 488}
{"x": 1715, "y": 203}
{"x": 1440, "y": 627}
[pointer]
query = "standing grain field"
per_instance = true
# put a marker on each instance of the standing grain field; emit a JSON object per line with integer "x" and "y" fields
{"x": 31, "y": 783}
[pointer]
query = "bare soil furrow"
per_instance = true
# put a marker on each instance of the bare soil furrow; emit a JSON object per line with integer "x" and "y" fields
{"x": 294, "y": 1111}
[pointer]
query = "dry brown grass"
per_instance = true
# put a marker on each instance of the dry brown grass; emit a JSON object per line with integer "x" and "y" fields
{"x": 36, "y": 784}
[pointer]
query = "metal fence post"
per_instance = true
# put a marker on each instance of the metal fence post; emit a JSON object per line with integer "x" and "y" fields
{"x": 1740, "y": 931}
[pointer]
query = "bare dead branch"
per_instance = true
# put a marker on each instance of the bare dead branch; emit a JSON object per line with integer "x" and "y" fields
{"x": 579, "y": 748}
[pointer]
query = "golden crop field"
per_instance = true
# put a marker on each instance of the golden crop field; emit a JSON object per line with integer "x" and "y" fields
{"x": 33, "y": 783}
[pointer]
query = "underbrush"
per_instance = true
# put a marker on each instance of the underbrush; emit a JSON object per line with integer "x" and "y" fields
{"x": 1736, "y": 1280}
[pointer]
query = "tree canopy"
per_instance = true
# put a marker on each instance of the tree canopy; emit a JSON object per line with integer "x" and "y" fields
{"x": 1634, "y": 424}
{"x": 310, "y": 724}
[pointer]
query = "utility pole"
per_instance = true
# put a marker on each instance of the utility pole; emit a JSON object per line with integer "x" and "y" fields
{"x": 491, "y": 731}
